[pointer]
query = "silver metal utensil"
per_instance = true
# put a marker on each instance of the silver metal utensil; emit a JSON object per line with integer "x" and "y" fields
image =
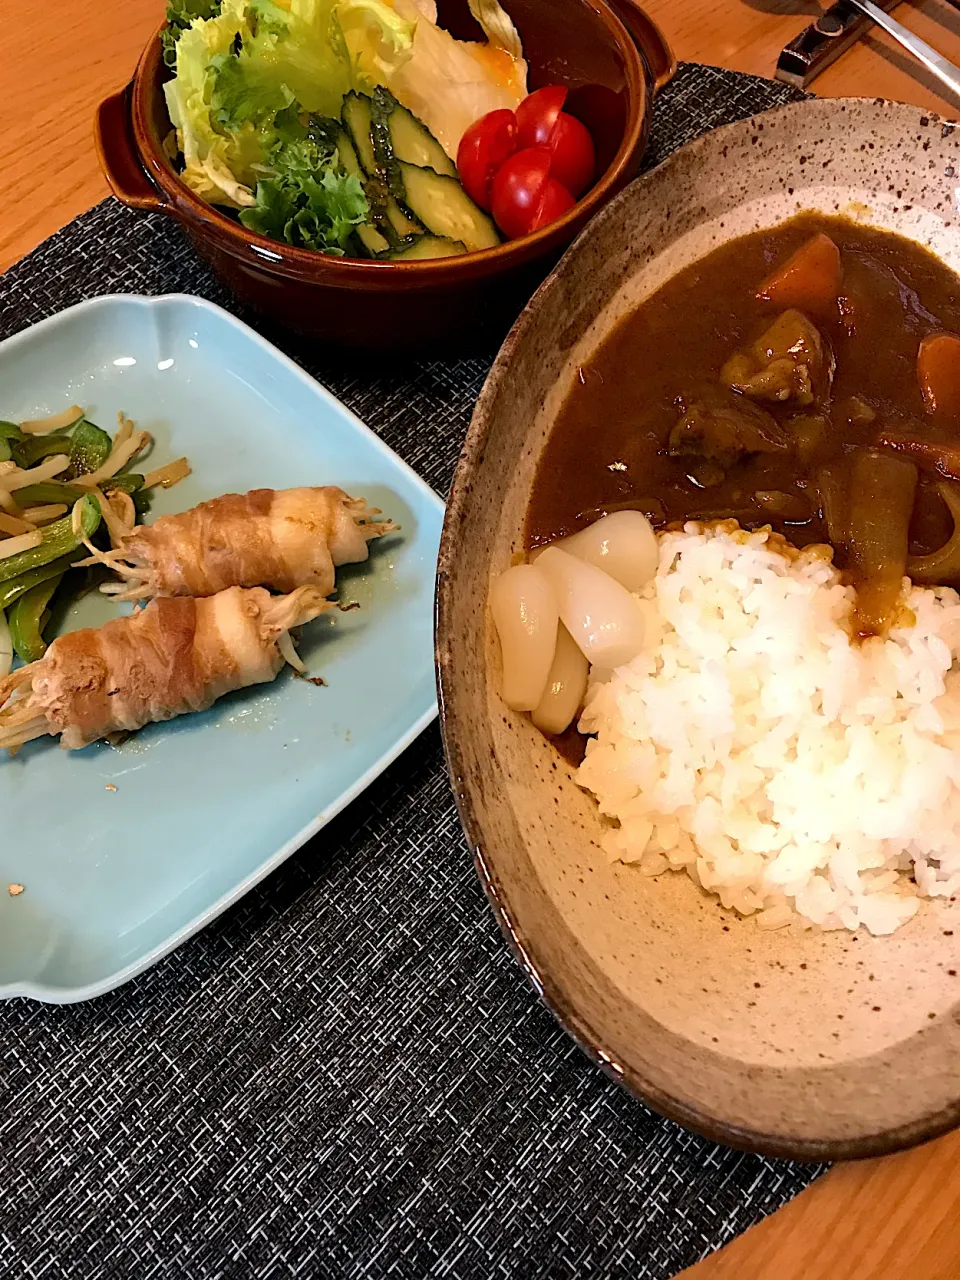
{"x": 945, "y": 71}
{"x": 818, "y": 46}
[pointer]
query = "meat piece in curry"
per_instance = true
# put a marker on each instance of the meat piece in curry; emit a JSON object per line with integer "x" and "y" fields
{"x": 788, "y": 362}
{"x": 806, "y": 377}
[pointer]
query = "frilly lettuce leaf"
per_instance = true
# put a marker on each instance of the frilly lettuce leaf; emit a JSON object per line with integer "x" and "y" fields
{"x": 296, "y": 47}
{"x": 308, "y": 200}
{"x": 180, "y": 13}
{"x": 236, "y": 73}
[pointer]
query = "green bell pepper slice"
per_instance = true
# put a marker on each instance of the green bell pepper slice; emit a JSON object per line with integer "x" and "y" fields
{"x": 89, "y": 448}
{"x": 27, "y": 619}
{"x": 30, "y": 450}
{"x": 128, "y": 481}
{"x": 16, "y": 587}
{"x": 58, "y": 539}
{"x": 46, "y": 493}
{"x": 50, "y": 491}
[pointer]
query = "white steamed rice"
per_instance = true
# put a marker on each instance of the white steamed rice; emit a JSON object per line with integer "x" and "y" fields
{"x": 784, "y": 766}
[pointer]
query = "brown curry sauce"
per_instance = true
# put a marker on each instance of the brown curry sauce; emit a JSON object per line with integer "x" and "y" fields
{"x": 608, "y": 448}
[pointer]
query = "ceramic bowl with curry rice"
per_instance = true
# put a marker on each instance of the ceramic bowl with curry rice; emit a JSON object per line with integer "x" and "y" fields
{"x": 721, "y": 705}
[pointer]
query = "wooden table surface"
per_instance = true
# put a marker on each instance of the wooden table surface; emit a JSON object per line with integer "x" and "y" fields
{"x": 891, "y": 1218}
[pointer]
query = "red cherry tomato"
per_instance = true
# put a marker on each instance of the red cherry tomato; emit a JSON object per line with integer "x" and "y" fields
{"x": 554, "y": 201}
{"x": 518, "y": 190}
{"x": 525, "y": 196}
{"x": 483, "y": 148}
{"x": 573, "y": 156}
{"x": 537, "y": 115}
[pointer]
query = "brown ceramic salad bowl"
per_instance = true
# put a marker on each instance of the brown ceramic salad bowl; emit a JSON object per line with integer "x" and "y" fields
{"x": 611, "y": 56}
{"x": 810, "y": 1045}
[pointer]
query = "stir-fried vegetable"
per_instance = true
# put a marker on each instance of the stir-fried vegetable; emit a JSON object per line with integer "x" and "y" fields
{"x": 56, "y": 540}
{"x": 23, "y": 582}
{"x": 163, "y": 477}
{"x": 29, "y": 450}
{"x": 19, "y": 543}
{"x": 61, "y": 422}
{"x": 11, "y": 526}
{"x": 6, "y": 647}
{"x": 48, "y": 491}
{"x": 89, "y": 448}
{"x": 62, "y": 479}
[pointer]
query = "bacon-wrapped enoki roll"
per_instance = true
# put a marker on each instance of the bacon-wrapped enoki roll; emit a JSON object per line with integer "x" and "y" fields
{"x": 176, "y": 655}
{"x": 277, "y": 538}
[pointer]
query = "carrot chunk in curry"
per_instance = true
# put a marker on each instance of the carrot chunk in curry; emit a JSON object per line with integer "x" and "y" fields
{"x": 808, "y": 280}
{"x": 938, "y": 372}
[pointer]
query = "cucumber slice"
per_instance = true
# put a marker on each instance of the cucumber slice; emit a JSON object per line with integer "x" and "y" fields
{"x": 400, "y": 220}
{"x": 369, "y": 235}
{"x": 428, "y": 247}
{"x": 357, "y": 117}
{"x": 371, "y": 239}
{"x": 347, "y": 153}
{"x": 382, "y": 105}
{"x": 445, "y": 209}
{"x": 414, "y": 144}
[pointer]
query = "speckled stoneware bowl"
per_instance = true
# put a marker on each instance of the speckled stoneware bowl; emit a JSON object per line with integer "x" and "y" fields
{"x": 808, "y": 1045}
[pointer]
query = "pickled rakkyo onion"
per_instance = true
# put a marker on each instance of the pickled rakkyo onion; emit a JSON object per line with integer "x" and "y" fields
{"x": 566, "y": 686}
{"x": 622, "y": 544}
{"x": 524, "y": 608}
{"x": 604, "y": 619}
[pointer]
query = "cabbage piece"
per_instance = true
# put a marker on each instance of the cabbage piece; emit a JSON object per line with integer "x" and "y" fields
{"x": 496, "y": 25}
{"x": 377, "y": 41}
{"x": 446, "y": 83}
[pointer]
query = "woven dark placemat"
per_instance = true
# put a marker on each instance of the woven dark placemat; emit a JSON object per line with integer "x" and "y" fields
{"x": 346, "y": 1075}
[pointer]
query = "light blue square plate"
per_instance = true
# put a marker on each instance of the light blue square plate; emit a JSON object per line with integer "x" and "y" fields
{"x": 207, "y": 805}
